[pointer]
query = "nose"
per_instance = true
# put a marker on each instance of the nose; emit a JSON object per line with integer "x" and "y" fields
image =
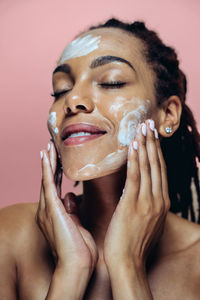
{"x": 76, "y": 102}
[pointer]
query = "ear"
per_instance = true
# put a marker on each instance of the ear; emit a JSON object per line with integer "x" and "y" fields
{"x": 169, "y": 115}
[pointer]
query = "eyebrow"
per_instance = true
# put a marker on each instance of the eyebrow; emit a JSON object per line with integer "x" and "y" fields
{"x": 97, "y": 62}
{"x": 103, "y": 60}
{"x": 65, "y": 68}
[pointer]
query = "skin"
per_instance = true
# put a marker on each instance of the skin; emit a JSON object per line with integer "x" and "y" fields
{"x": 87, "y": 89}
{"x": 111, "y": 239}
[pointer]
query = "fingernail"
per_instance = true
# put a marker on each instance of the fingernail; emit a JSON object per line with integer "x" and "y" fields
{"x": 135, "y": 145}
{"x": 156, "y": 133}
{"x": 45, "y": 156}
{"x": 152, "y": 125}
{"x": 48, "y": 146}
{"x": 144, "y": 129}
{"x": 130, "y": 149}
{"x": 41, "y": 154}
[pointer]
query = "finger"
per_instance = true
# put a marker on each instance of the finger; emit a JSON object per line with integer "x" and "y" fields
{"x": 56, "y": 167}
{"x": 163, "y": 175}
{"x": 145, "y": 174}
{"x": 52, "y": 156}
{"x": 58, "y": 180}
{"x": 154, "y": 161}
{"x": 41, "y": 205}
{"x": 71, "y": 205}
{"x": 132, "y": 185}
{"x": 50, "y": 192}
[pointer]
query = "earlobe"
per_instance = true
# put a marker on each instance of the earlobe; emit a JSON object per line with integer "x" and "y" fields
{"x": 169, "y": 116}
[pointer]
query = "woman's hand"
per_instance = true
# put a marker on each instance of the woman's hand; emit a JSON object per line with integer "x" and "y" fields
{"x": 72, "y": 246}
{"x": 138, "y": 221}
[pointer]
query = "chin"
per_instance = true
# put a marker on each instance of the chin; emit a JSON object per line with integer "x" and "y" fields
{"x": 89, "y": 172}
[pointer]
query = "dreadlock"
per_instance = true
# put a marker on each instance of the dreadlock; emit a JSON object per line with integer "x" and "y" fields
{"x": 182, "y": 149}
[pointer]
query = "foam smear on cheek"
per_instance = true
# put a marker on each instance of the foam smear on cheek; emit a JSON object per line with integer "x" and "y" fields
{"x": 52, "y": 122}
{"x": 128, "y": 124}
{"x": 80, "y": 47}
{"x": 110, "y": 162}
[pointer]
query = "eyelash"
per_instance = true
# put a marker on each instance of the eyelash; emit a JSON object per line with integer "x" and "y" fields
{"x": 56, "y": 95}
{"x": 112, "y": 84}
{"x": 105, "y": 85}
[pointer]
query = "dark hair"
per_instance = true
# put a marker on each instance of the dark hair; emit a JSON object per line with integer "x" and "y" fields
{"x": 182, "y": 149}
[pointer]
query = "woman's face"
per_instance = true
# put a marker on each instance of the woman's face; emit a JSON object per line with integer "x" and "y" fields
{"x": 104, "y": 89}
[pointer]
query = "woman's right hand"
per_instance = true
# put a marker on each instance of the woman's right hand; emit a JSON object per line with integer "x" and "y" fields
{"x": 72, "y": 246}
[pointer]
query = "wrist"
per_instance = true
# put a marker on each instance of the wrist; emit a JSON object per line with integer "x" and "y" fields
{"x": 68, "y": 283}
{"x": 126, "y": 264}
{"x": 129, "y": 280}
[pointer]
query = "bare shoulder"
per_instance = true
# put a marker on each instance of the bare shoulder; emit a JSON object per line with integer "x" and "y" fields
{"x": 12, "y": 217}
{"x": 18, "y": 230}
{"x": 17, "y": 222}
{"x": 181, "y": 236}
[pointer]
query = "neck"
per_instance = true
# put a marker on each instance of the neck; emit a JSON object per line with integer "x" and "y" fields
{"x": 100, "y": 198}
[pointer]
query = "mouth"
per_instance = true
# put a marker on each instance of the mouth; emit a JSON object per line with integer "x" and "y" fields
{"x": 80, "y": 133}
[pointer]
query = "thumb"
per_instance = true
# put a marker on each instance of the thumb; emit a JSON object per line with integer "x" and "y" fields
{"x": 71, "y": 206}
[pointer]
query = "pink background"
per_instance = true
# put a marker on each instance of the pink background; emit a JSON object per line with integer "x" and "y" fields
{"x": 32, "y": 35}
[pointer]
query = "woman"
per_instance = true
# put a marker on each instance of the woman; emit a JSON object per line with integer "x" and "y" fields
{"x": 118, "y": 92}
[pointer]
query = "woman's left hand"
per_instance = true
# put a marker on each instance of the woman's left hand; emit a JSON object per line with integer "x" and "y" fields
{"x": 138, "y": 221}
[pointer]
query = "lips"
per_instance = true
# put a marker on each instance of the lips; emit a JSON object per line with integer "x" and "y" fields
{"x": 80, "y": 133}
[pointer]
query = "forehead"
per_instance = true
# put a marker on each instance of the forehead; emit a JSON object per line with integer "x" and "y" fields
{"x": 111, "y": 41}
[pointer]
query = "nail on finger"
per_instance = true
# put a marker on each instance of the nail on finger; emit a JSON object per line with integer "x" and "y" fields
{"x": 144, "y": 129}
{"x": 151, "y": 124}
{"x": 156, "y": 133}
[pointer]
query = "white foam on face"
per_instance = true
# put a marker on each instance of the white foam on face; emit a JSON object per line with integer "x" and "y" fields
{"x": 74, "y": 97}
{"x": 52, "y": 119}
{"x": 80, "y": 47}
{"x": 84, "y": 76}
{"x": 127, "y": 131}
{"x": 110, "y": 162}
{"x": 129, "y": 123}
{"x": 119, "y": 102}
{"x": 52, "y": 122}
{"x": 56, "y": 130}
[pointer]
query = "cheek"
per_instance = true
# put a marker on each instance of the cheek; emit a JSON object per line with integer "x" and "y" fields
{"x": 52, "y": 123}
{"x": 128, "y": 114}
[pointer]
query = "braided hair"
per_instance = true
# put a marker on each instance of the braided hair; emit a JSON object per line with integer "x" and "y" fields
{"x": 182, "y": 150}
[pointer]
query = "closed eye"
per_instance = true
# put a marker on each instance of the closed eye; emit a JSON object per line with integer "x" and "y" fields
{"x": 106, "y": 85}
{"x": 56, "y": 95}
{"x": 112, "y": 84}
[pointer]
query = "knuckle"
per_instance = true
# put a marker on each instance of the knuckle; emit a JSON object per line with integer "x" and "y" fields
{"x": 159, "y": 210}
{"x": 142, "y": 142}
{"x": 41, "y": 223}
{"x": 158, "y": 197}
{"x": 39, "y": 217}
{"x": 167, "y": 205}
{"x": 145, "y": 166}
{"x": 47, "y": 181}
{"x": 147, "y": 209}
{"x": 155, "y": 161}
{"x": 48, "y": 212}
{"x": 135, "y": 176}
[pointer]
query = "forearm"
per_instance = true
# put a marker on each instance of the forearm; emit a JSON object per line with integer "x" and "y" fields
{"x": 68, "y": 285}
{"x": 129, "y": 282}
